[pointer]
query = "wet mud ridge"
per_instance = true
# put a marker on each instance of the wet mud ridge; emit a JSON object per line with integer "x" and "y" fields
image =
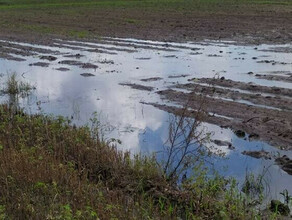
{"x": 13, "y": 48}
{"x": 58, "y": 51}
{"x": 264, "y": 113}
{"x": 287, "y": 77}
{"x": 137, "y": 86}
{"x": 285, "y": 163}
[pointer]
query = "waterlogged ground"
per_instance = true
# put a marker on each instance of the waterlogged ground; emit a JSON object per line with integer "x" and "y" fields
{"x": 132, "y": 85}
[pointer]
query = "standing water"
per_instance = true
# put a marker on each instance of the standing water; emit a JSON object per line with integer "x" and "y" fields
{"x": 115, "y": 77}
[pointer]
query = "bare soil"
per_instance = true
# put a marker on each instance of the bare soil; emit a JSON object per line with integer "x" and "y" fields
{"x": 275, "y": 101}
{"x": 285, "y": 78}
{"x": 267, "y": 117}
{"x": 151, "y": 79}
{"x": 241, "y": 22}
{"x": 137, "y": 86}
{"x": 285, "y": 163}
{"x": 244, "y": 86}
{"x": 258, "y": 154}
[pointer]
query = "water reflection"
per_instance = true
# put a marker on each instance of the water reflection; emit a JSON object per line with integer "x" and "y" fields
{"x": 143, "y": 128}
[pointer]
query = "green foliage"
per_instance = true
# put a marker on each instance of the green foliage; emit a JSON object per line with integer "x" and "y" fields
{"x": 16, "y": 87}
{"x": 52, "y": 170}
{"x": 2, "y": 212}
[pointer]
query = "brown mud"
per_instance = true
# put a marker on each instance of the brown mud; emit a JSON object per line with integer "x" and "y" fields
{"x": 279, "y": 102}
{"x": 272, "y": 125}
{"x": 82, "y": 45}
{"x": 71, "y": 62}
{"x": 24, "y": 50}
{"x": 278, "y": 49}
{"x": 87, "y": 74}
{"x": 248, "y": 22}
{"x": 223, "y": 144}
{"x": 286, "y": 78}
{"x": 285, "y": 163}
{"x": 49, "y": 58}
{"x": 9, "y": 57}
{"x": 62, "y": 69}
{"x": 78, "y": 63}
{"x": 41, "y": 64}
{"x": 95, "y": 50}
{"x": 151, "y": 79}
{"x": 281, "y": 137}
{"x": 178, "y": 76}
{"x": 137, "y": 86}
{"x": 243, "y": 86}
{"x": 258, "y": 154}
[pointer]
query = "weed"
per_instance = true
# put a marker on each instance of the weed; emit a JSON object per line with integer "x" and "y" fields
{"x": 52, "y": 170}
{"x": 15, "y": 87}
{"x": 254, "y": 187}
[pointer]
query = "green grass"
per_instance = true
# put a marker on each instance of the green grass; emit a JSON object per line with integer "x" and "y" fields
{"x": 16, "y": 87}
{"x": 52, "y": 170}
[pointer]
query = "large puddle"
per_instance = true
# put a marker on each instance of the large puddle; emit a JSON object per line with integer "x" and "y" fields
{"x": 76, "y": 79}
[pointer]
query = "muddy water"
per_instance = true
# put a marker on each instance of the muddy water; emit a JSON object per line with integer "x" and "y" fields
{"x": 76, "y": 79}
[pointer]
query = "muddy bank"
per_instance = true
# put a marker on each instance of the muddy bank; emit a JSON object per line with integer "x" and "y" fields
{"x": 137, "y": 86}
{"x": 269, "y": 125}
{"x": 152, "y": 79}
{"x": 49, "y": 58}
{"x": 279, "y": 49}
{"x": 223, "y": 144}
{"x": 258, "y": 154}
{"x": 87, "y": 74}
{"x": 285, "y": 163}
{"x": 16, "y": 51}
{"x": 24, "y": 50}
{"x": 41, "y": 64}
{"x": 258, "y": 99}
{"x": 286, "y": 78}
{"x": 227, "y": 83}
{"x": 9, "y": 57}
{"x": 253, "y": 22}
{"x": 78, "y": 63}
{"x": 63, "y": 69}
{"x": 178, "y": 76}
{"x": 86, "y": 45}
{"x": 64, "y": 45}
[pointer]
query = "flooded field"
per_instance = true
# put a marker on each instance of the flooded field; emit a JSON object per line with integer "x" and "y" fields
{"x": 133, "y": 86}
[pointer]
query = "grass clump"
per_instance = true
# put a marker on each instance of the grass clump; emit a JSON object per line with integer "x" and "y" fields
{"x": 52, "y": 170}
{"x": 16, "y": 87}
